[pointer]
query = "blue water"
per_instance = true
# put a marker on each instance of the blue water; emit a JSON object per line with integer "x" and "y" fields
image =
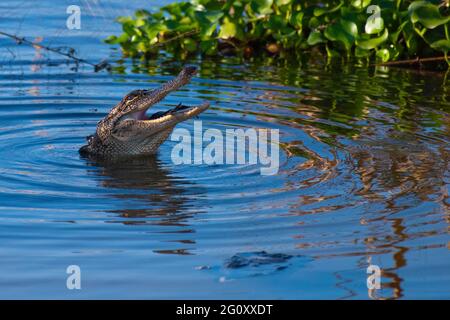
{"x": 363, "y": 179}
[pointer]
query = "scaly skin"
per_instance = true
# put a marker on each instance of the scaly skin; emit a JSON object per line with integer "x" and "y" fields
{"x": 126, "y": 130}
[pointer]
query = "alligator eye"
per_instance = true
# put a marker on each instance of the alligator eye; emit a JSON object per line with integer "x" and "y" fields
{"x": 133, "y": 95}
{"x": 129, "y": 99}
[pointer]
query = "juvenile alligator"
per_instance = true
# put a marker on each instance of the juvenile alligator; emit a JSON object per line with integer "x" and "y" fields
{"x": 127, "y": 130}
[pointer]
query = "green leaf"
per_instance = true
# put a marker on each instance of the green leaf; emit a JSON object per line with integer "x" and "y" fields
{"x": 257, "y": 30}
{"x": 394, "y": 36}
{"x": 128, "y": 27}
{"x": 350, "y": 27}
{"x": 261, "y": 7}
{"x": 189, "y": 44}
{"x": 185, "y": 21}
{"x": 141, "y": 46}
{"x": 319, "y": 11}
{"x": 374, "y": 42}
{"x": 157, "y": 15}
{"x": 441, "y": 45}
{"x": 283, "y": 2}
{"x": 177, "y": 9}
{"x": 375, "y": 22}
{"x": 152, "y": 30}
{"x": 212, "y": 16}
{"x": 206, "y": 31}
{"x": 230, "y": 29}
{"x": 395, "y": 51}
{"x": 361, "y": 53}
{"x": 227, "y": 30}
{"x": 276, "y": 23}
{"x": 427, "y": 14}
{"x": 332, "y": 53}
{"x": 315, "y": 37}
{"x": 296, "y": 19}
{"x": 360, "y": 4}
{"x": 173, "y": 25}
{"x": 412, "y": 43}
{"x": 124, "y": 19}
{"x": 111, "y": 40}
{"x": 343, "y": 31}
{"x": 209, "y": 47}
{"x": 313, "y": 23}
{"x": 383, "y": 55}
{"x": 142, "y": 14}
{"x": 123, "y": 38}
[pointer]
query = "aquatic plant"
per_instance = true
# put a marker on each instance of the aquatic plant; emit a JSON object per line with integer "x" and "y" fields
{"x": 384, "y": 30}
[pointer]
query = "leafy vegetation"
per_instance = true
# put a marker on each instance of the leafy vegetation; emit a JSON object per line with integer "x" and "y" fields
{"x": 385, "y": 30}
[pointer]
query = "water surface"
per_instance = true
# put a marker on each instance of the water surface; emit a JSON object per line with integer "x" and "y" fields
{"x": 363, "y": 179}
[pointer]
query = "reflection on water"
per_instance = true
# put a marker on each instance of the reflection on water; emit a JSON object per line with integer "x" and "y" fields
{"x": 143, "y": 180}
{"x": 363, "y": 180}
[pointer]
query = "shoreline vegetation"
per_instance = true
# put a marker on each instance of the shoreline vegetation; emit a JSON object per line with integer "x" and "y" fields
{"x": 397, "y": 32}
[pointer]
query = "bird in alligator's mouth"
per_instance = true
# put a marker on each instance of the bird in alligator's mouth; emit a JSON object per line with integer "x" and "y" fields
{"x": 127, "y": 130}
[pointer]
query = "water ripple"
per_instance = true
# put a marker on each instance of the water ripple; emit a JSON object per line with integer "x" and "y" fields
{"x": 363, "y": 178}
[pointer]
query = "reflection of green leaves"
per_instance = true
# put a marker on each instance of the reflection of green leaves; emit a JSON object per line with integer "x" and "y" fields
{"x": 373, "y": 42}
{"x": 427, "y": 14}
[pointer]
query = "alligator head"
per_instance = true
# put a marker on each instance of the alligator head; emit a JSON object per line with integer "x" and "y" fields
{"x": 127, "y": 130}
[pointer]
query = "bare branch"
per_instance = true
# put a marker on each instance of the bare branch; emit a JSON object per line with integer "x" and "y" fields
{"x": 71, "y": 54}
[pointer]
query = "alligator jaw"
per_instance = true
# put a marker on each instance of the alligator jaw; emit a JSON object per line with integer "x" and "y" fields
{"x": 162, "y": 121}
{"x": 180, "y": 111}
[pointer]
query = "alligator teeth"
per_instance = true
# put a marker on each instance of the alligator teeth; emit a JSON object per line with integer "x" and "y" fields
{"x": 160, "y": 114}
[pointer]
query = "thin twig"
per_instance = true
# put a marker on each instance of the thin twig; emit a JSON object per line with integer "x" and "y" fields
{"x": 410, "y": 61}
{"x": 99, "y": 66}
{"x": 187, "y": 33}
